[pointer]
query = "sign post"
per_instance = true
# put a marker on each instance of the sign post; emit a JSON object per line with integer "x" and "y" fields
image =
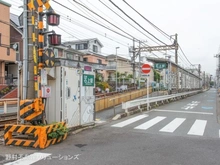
{"x": 146, "y": 68}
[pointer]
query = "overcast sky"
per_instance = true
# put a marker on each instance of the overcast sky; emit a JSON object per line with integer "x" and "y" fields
{"x": 195, "y": 21}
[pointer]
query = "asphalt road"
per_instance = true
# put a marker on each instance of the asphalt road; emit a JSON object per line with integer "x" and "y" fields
{"x": 184, "y": 132}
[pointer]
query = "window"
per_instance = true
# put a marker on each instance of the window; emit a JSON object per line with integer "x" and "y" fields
{"x": 81, "y": 46}
{"x": 111, "y": 63}
{"x": 99, "y": 61}
{"x": 68, "y": 92}
{"x": 85, "y": 59}
{"x": 95, "y": 48}
{"x": 85, "y": 46}
{"x": 69, "y": 56}
{"x": 8, "y": 51}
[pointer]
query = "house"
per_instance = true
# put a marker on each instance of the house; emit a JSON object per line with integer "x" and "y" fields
{"x": 92, "y": 53}
{"x": 76, "y": 58}
{"x": 16, "y": 36}
{"x": 123, "y": 66}
{"x": 92, "y": 45}
{"x": 99, "y": 60}
{"x": 7, "y": 54}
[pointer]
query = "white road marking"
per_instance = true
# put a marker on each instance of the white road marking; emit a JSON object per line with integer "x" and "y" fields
{"x": 202, "y": 113}
{"x": 191, "y": 105}
{"x": 150, "y": 123}
{"x": 198, "y": 128}
{"x": 129, "y": 121}
{"x": 173, "y": 125}
{"x": 30, "y": 159}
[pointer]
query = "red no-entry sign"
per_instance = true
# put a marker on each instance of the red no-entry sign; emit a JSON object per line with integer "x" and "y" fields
{"x": 146, "y": 68}
{"x": 48, "y": 90}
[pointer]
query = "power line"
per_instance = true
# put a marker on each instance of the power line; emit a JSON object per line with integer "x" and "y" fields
{"x": 137, "y": 23}
{"x": 96, "y": 22}
{"x": 126, "y": 21}
{"x": 162, "y": 32}
{"x": 184, "y": 55}
{"x": 113, "y": 20}
{"x": 92, "y": 20}
{"x": 71, "y": 29}
{"x": 78, "y": 38}
{"x": 77, "y": 23}
{"x": 105, "y": 19}
{"x": 85, "y": 12}
{"x": 68, "y": 32}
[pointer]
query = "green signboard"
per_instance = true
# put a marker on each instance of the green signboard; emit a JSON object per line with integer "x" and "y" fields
{"x": 160, "y": 65}
{"x": 88, "y": 80}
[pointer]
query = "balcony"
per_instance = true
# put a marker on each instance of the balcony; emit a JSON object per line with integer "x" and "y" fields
{"x": 7, "y": 54}
{"x": 110, "y": 68}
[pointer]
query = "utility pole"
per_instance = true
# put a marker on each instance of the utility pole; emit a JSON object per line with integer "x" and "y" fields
{"x": 169, "y": 75}
{"x": 116, "y": 69}
{"x": 199, "y": 75}
{"x": 134, "y": 75}
{"x": 176, "y": 61}
{"x": 25, "y": 49}
{"x": 218, "y": 69}
{"x": 139, "y": 76}
{"x": 31, "y": 54}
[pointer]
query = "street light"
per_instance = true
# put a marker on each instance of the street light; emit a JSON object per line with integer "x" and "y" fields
{"x": 169, "y": 75}
{"x": 116, "y": 85}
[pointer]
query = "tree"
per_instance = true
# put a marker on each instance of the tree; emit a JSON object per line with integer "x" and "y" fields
{"x": 156, "y": 76}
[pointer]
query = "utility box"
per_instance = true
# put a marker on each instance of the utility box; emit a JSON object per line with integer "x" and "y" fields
{"x": 72, "y": 97}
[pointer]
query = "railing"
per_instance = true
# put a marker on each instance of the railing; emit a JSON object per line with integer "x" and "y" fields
{"x": 139, "y": 102}
{"x": 105, "y": 102}
{"x": 6, "y": 102}
{"x": 113, "y": 67}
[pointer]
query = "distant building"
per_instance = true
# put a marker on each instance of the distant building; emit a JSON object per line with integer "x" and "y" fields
{"x": 92, "y": 45}
{"x": 7, "y": 51}
{"x": 100, "y": 60}
{"x": 92, "y": 53}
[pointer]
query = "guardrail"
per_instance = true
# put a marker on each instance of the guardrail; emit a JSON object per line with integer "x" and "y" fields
{"x": 6, "y": 102}
{"x": 139, "y": 102}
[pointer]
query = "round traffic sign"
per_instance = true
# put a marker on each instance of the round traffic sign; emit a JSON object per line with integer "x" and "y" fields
{"x": 48, "y": 90}
{"x": 146, "y": 68}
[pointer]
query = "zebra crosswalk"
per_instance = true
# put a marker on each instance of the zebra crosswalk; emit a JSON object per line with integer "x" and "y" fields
{"x": 173, "y": 125}
{"x": 197, "y": 127}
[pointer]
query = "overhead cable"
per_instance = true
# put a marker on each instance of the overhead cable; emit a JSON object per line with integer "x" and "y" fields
{"x": 77, "y": 23}
{"x": 92, "y": 20}
{"x": 165, "y": 34}
{"x": 185, "y": 55}
{"x": 104, "y": 19}
{"x": 137, "y": 23}
{"x": 127, "y": 21}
